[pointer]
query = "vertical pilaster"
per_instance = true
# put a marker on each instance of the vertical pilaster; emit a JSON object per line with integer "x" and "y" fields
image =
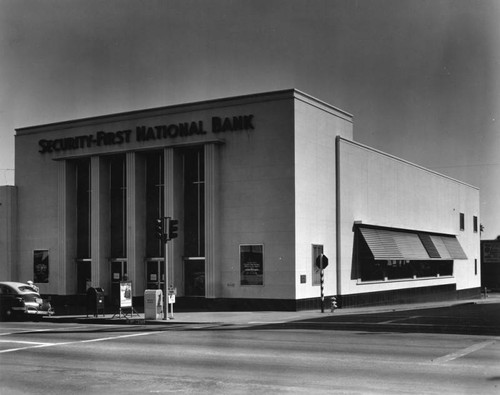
{"x": 169, "y": 206}
{"x": 66, "y": 217}
{"x": 212, "y": 275}
{"x": 100, "y": 223}
{"x": 131, "y": 222}
{"x": 62, "y": 228}
{"x": 135, "y": 221}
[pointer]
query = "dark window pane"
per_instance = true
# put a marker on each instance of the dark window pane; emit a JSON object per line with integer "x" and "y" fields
{"x": 194, "y": 202}
{"x": 118, "y": 206}
{"x": 154, "y": 201}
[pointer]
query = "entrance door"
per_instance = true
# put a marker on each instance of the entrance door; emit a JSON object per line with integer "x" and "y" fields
{"x": 155, "y": 274}
{"x": 118, "y": 273}
{"x": 83, "y": 275}
{"x": 194, "y": 277}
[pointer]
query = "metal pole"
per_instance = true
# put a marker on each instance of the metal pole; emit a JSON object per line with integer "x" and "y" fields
{"x": 165, "y": 304}
{"x": 322, "y": 282}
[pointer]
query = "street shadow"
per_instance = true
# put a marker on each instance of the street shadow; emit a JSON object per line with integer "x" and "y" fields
{"x": 465, "y": 319}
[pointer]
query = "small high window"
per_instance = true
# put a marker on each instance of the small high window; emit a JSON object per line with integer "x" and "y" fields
{"x": 462, "y": 221}
{"x": 475, "y": 227}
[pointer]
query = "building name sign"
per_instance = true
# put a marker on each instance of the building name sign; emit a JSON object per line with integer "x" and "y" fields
{"x": 147, "y": 133}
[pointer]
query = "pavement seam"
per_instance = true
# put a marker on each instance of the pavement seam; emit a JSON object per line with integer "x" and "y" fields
{"x": 463, "y": 352}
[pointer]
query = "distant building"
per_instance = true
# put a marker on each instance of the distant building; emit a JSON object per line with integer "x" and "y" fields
{"x": 8, "y": 232}
{"x": 490, "y": 264}
{"x": 261, "y": 186}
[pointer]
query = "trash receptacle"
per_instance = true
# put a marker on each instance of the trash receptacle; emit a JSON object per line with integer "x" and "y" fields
{"x": 153, "y": 304}
{"x": 95, "y": 301}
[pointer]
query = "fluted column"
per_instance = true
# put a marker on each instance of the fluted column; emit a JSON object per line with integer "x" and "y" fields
{"x": 66, "y": 273}
{"x": 212, "y": 269}
{"x": 136, "y": 226}
{"x": 170, "y": 208}
{"x": 99, "y": 223}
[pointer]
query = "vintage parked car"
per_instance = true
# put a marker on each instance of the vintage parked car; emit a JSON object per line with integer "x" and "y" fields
{"x": 22, "y": 300}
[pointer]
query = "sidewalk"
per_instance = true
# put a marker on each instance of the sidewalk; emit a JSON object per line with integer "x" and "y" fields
{"x": 255, "y": 317}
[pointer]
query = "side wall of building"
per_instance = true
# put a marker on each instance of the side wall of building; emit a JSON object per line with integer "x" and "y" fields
{"x": 8, "y": 235}
{"x": 379, "y": 189}
{"x": 316, "y": 128}
{"x": 256, "y": 203}
{"x": 37, "y": 182}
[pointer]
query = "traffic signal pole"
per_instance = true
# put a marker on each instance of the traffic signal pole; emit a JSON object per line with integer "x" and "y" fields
{"x": 165, "y": 292}
{"x": 166, "y": 229}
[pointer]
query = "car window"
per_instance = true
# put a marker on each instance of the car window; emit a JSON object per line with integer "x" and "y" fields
{"x": 26, "y": 288}
{"x": 4, "y": 290}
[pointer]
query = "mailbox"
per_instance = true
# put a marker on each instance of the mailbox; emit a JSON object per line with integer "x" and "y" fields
{"x": 95, "y": 301}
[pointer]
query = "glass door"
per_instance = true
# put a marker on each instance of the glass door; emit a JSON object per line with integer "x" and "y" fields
{"x": 155, "y": 274}
{"x": 118, "y": 273}
{"x": 194, "y": 277}
{"x": 83, "y": 275}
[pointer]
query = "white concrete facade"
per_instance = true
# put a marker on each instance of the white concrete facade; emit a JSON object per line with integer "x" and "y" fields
{"x": 286, "y": 177}
{"x": 379, "y": 189}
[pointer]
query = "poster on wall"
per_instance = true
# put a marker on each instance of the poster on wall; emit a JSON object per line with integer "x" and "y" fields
{"x": 125, "y": 294}
{"x": 41, "y": 266}
{"x": 252, "y": 264}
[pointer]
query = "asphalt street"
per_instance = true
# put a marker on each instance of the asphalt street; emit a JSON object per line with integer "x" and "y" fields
{"x": 259, "y": 353}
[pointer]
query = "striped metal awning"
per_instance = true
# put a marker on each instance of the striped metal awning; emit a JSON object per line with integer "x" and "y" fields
{"x": 388, "y": 244}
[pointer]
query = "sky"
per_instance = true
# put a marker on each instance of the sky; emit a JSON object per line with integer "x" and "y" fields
{"x": 421, "y": 77}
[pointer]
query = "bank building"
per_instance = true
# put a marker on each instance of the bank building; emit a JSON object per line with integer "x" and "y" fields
{"x": 261, "y": 185}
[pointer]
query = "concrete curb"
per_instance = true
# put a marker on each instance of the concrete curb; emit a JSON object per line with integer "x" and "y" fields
{"x": 257, "y": 317}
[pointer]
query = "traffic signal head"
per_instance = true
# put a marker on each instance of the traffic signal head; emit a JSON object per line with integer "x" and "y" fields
{"x": 159, "y": 231}
{"x": 173, "y": 228}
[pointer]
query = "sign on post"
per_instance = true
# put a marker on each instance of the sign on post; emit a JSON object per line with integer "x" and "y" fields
{"x": 171, "y": 294}
{"x": 321, "y": 263}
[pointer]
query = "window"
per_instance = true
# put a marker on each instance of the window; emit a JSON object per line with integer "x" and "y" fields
{"x": 372, "y": 267}
{"x": 475, "y": 224}
{"x": 154, "y": 201}
{"x": 252, "y": 264}
{"x": 317, "y": 250}
{"x": 83, "y": 208}
{"x": 194, "y": 202}
{"x": 475, "y": 267}
{"x": 118, "y": 206}
{"x": 462, "y": 221}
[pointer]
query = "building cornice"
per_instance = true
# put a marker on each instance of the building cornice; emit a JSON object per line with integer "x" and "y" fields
{"x": 187, "y": 107}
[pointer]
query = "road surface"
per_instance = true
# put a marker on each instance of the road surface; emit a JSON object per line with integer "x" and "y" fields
{"x": 51, "y": 358}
